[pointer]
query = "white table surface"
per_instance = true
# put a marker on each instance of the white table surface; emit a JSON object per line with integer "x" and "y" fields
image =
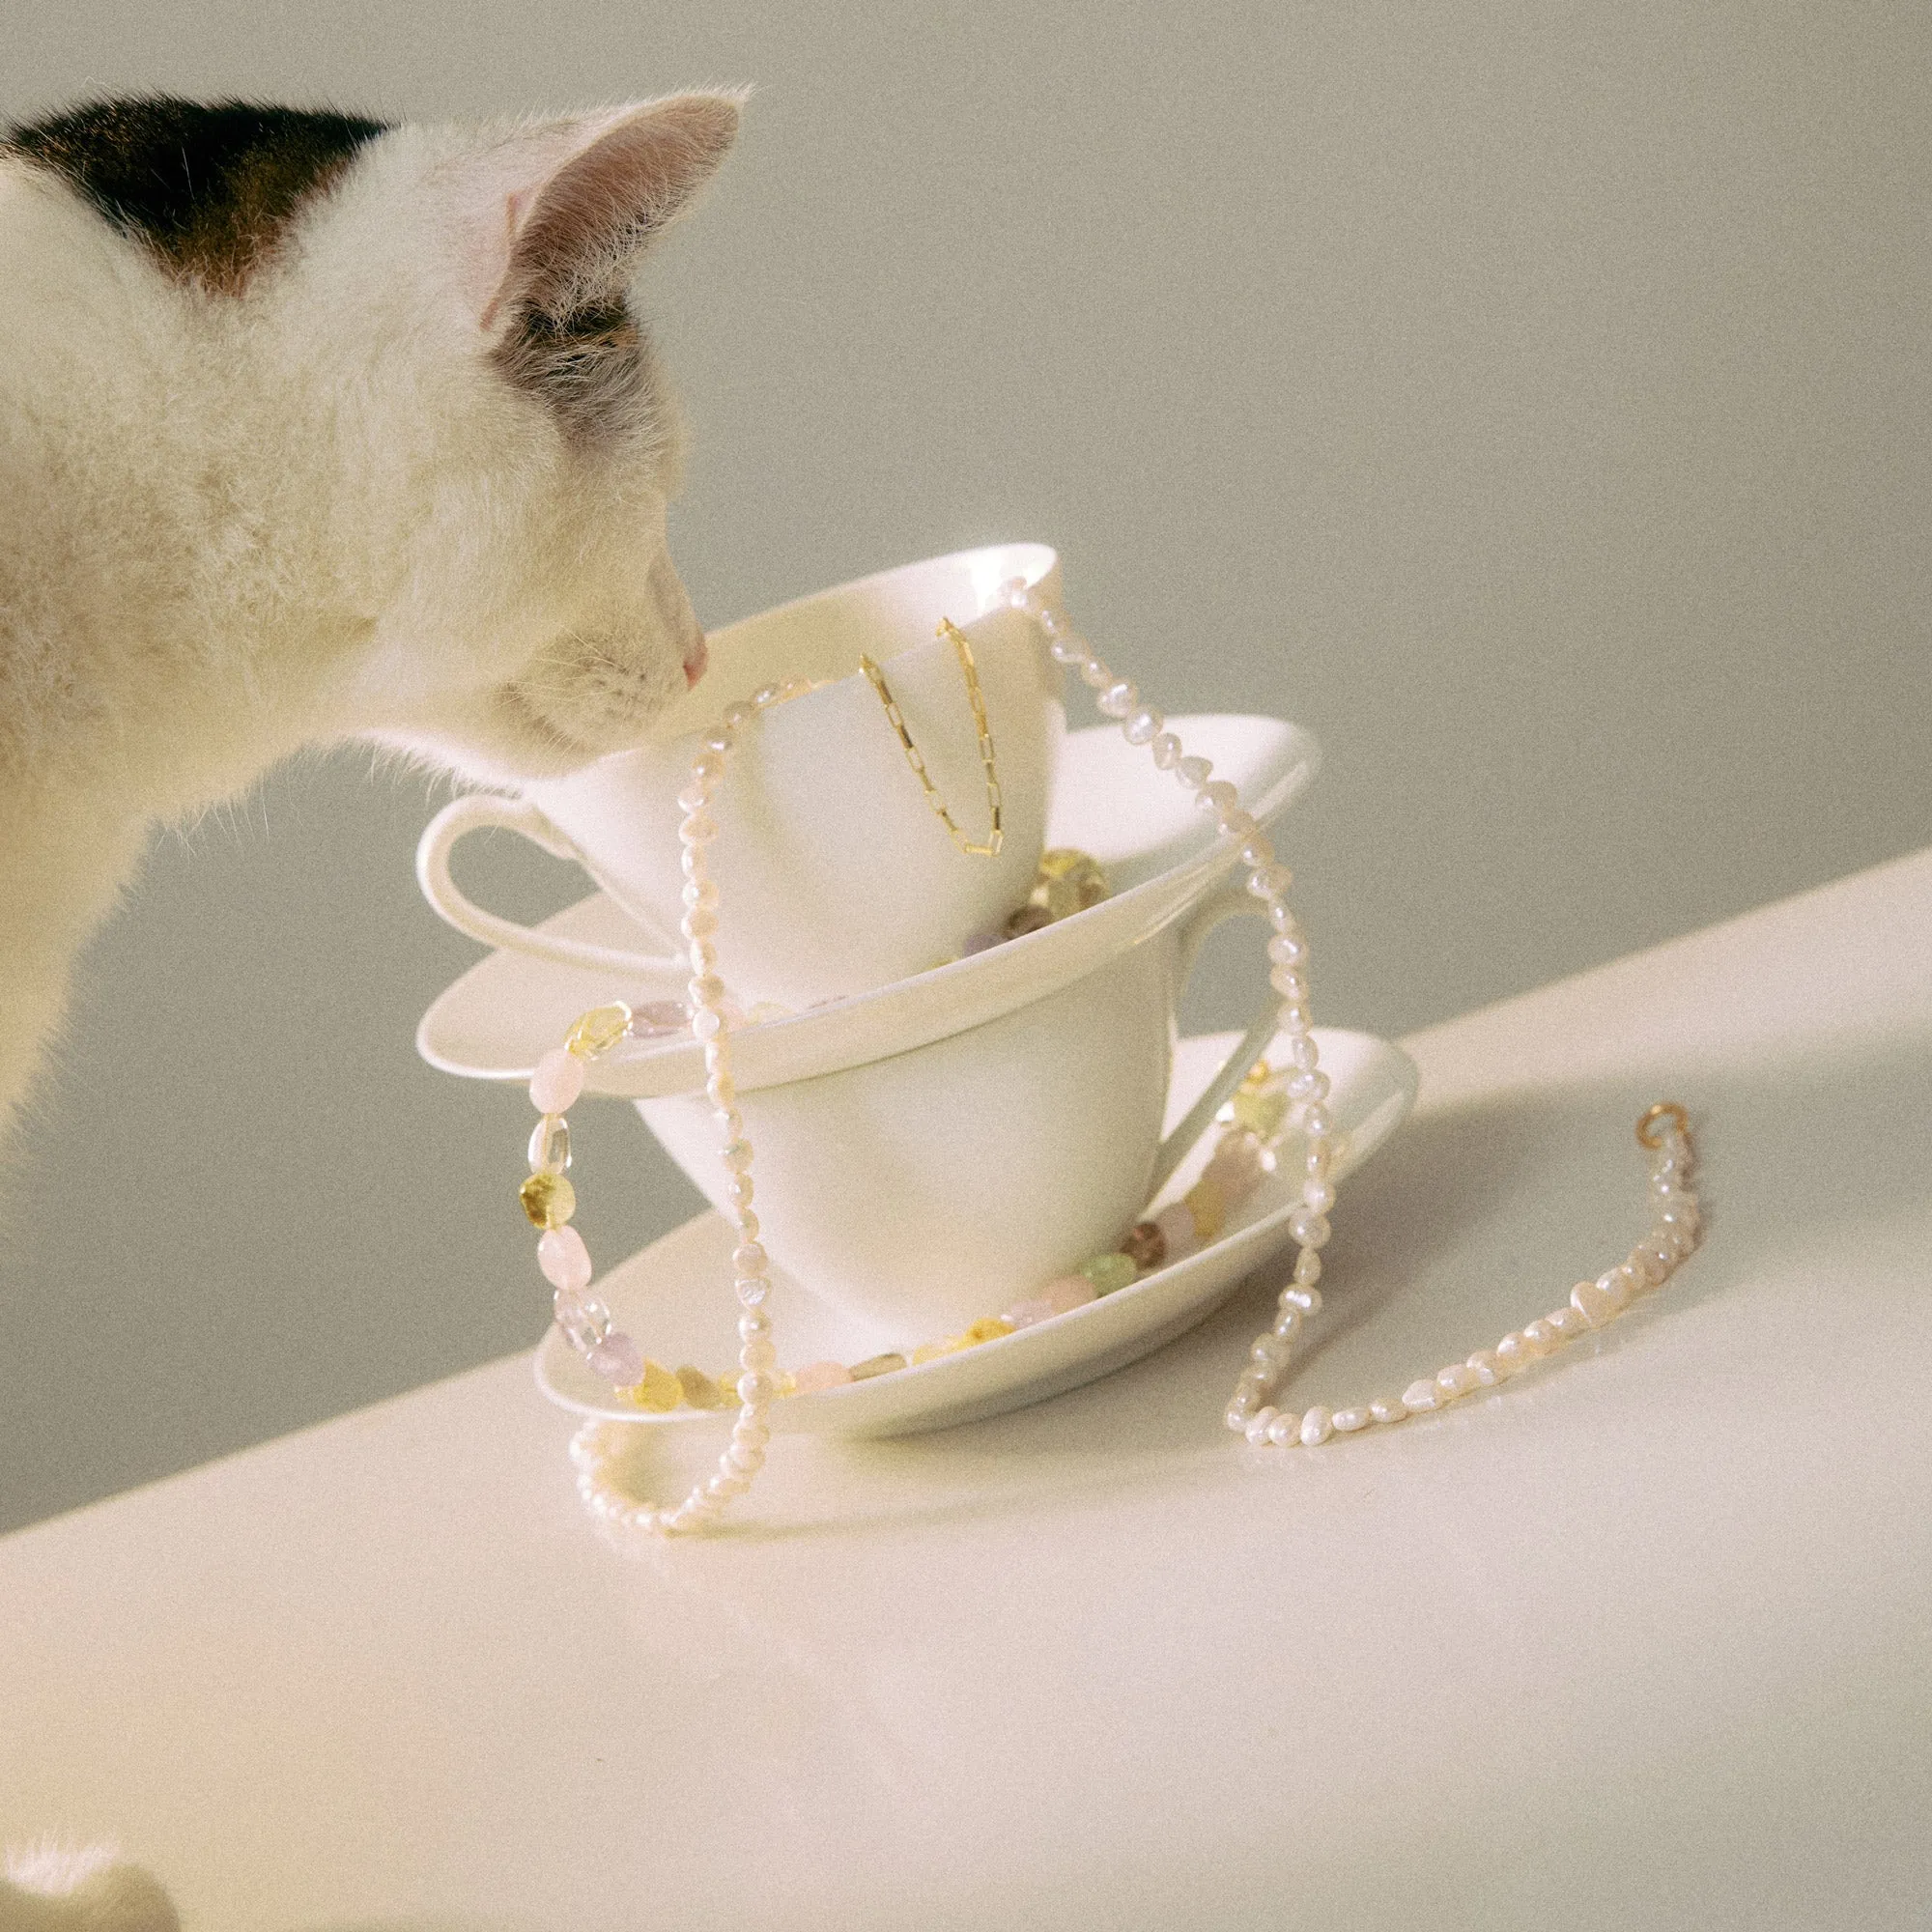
{"x": 1640, "y": 1641}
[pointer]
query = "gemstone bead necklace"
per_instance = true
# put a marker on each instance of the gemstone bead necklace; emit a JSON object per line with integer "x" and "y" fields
{"x": 549, "y": 1200}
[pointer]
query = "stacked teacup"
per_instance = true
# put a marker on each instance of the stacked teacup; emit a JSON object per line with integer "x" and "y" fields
{"x": 947, "y": 1109}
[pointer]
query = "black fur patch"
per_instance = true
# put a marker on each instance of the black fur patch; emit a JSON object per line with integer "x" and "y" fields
{"x": 208, "y": 188}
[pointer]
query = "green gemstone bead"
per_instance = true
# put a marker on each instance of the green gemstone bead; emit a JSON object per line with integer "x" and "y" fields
{"x": 1108, "y": 1272}
{"x": 1260, "y": 1110}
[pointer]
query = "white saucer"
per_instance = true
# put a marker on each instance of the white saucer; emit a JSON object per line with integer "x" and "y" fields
{"x": 1159, "y": 848}
{"x": 674, "y": 1296}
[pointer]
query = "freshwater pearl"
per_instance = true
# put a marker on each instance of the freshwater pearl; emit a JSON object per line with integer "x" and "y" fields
{"x": 1459, "y": 1378}
{"x": 1593, "y": 1303}
{"x": 1117, "y": 701}
{"x": 1166, "y": 750}
{"x": 1257, "y": 1427}
{"x": 1285, "y": 1430}
{"x": 1271, "y": 1352}
{"x": 1569, "y": 1322}
{"x": 1348, "y": 1420}
{"x": 1539, "y": 1338}
{"x": 1317, "y": 1426}
{"x": 1388, "y": 1409}
{"x": 1485, "y": 1366}
{"x": 1422, "y": 1394}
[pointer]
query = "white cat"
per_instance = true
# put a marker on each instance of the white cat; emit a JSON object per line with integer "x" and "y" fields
{"x": 313, "y": 428}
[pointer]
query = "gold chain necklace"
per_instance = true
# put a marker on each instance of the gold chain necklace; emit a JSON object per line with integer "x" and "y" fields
{"x": 962, "y": 650}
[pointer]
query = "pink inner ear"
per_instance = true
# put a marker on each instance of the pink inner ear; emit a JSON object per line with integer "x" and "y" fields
{"x": 575, "y": 233}
{"x": 513, "y": 214}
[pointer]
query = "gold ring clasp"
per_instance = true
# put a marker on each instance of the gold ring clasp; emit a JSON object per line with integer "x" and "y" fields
{"x": 1664, "y": 1110}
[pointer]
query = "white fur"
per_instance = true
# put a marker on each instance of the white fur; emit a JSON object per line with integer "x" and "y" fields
{"x": 231, "y": 526}
{"x": 51, "y": 1890}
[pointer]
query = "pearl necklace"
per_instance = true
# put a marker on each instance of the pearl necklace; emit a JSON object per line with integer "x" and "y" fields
{"x": 549, "y": 1200}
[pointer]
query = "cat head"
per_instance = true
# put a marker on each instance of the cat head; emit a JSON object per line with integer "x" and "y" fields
{"x": 432, "y": 388}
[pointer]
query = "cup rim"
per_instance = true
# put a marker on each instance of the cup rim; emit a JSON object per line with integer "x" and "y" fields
{"x": 999, "y": 562}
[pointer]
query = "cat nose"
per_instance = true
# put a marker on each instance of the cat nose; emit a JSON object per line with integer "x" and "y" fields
{"x": 668, "y": 595}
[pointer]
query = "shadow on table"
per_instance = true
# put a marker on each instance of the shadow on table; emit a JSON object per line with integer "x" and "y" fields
{"x": 1471, "y": 1222}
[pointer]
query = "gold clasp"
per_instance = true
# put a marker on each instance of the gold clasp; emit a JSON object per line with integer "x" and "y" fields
{"x": 1664, "y": 1110}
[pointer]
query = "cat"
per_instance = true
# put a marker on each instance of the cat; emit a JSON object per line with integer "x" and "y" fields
{"x": 314, "y": 428}
{"x": 52, "y": 1889}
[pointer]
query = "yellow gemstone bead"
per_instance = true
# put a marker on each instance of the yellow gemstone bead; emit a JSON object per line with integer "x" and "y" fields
{"x": 1258, "y": 1075}
{"x": 599, "y": 1030}
{"x": 1058, "y": 861}
{"x": 988, "y": 1329}
{"x": 548, "y": 1199}
{"x": 1069, "y": 881}
{"x": 699, "y": 1390}
{"x": 1208, "y": 1207}
{"x": 931, "y": 1351}
{"x": 657, "y": 1389}
{"x": 1260, "y": 1111}
{"x": 877, "y": 1365}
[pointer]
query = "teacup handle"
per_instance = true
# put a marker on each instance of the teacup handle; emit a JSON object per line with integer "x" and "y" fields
{"x": 1230, "y": 902}
{"x": 473, "y": 813}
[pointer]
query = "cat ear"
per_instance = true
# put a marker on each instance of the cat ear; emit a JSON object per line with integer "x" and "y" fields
{"x": 621, "y": 177}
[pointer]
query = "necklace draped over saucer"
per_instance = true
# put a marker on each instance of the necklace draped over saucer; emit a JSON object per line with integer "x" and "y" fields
{"x": 1278, "y": 1114}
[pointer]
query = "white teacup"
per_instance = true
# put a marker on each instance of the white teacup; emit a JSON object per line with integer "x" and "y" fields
{"x": 924, "y": 1188}
{"x": 834, "y": 874}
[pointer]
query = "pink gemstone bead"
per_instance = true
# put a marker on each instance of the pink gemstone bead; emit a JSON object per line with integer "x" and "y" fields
{"x": 1024, "y": 1314}
{"x": 1070, "y": 1292}
{"x": 821, "y": 1376}
{"x": 619, "y": 1360}
{"x": 1177, "y": 1223}
{"x": 564, "y": 1259}
{"x": 558, "y": 1081}
{"x": 1236, "y": 1170}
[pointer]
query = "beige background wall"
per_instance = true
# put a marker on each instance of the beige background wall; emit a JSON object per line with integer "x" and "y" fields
{"x": 1532, "y": 399}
